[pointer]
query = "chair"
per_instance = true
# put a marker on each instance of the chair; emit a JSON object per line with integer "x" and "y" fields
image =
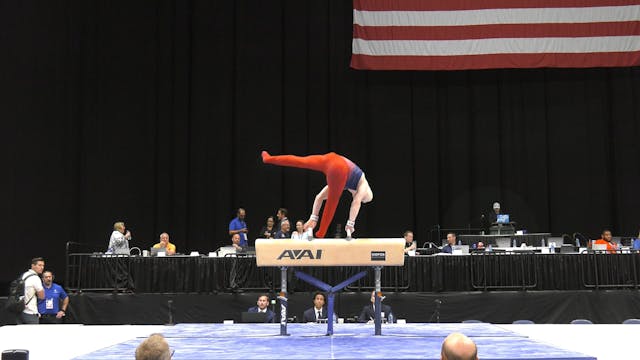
{"x": 15, "y": 354}
{"x": 472, "y": 322}
{"x": 631, "y": 321}
{"x": 521, "y": 322}
{"x": 581, "y": 321}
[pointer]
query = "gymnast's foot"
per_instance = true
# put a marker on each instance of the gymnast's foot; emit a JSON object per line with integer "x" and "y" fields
{"x": 265, "y": 156}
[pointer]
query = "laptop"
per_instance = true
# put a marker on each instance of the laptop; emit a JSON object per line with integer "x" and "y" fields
{"x": 502, "y": 219}
{"x": 226, "y": 250}
{"x": 246, "y": 250}
{"x": 253, "y": 317}
{"x": 460, "y": 249}
{"x": 503, "y": 242}
{"x": 155, "y": 251}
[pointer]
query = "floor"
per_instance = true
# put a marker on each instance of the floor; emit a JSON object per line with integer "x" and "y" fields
{"x": 220, "y": 341}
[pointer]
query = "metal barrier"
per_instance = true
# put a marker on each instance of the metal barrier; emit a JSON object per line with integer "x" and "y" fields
{"x": 483, "y": 264}
{"x": 626, "y": 275}
{"x": 394, "y": 279}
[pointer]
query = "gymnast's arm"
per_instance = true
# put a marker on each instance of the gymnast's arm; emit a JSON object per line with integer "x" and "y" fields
{"x": 317, "y": 204}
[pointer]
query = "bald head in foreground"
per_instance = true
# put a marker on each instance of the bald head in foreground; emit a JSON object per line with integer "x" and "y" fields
{"x": 155, "y": 347}
{"x": 458, "y": 347}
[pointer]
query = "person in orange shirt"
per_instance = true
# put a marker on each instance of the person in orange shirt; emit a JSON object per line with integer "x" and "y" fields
{"x": 605, "y": 239}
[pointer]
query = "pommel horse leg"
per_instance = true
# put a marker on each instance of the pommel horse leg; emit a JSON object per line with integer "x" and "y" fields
{"x": 378, "y": 302}
{"x": 283, "y": 301}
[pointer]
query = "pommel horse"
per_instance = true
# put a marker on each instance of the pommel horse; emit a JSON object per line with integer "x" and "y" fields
{"x": 284, "y": 253}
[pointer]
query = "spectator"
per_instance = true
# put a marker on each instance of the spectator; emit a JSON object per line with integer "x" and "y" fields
{"x": 119, "y": 241}
{"x": 283, "y": 233}
{"x": 33, "y": 290}
{"x": 409, "y": 243}
{"x": 281, "y": 214}
{"x": 155, "y": 347}
{"x": 451, "y": 241}
{"x": 53, "y": 308}
{"x": 262, "y": 306}
{"x": 458, "y": 347}
{"x": 169, "y": 248}
{"x": 368, "y": 313}
{"x": 269, "y": 230}
{"x": 299, "y": 233}
{"x": 238, "y": 226}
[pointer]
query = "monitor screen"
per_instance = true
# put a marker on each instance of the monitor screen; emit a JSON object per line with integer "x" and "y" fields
{"x": 503, "y": 218}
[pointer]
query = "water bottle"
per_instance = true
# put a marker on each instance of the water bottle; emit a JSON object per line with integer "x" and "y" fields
{"x": 489, "y": 248}
{"x": 514, "y": 243}
{"x": 390, "y": 318}
{"x": 542, "y": 242}
{"x": 552, "y": 247}
{"x": 577, "y": 242}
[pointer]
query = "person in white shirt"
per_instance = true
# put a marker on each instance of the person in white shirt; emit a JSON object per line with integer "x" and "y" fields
{"x": 119, "y": 241}
{"x": 33, "y": 290}
{"x": 299, "y": 233}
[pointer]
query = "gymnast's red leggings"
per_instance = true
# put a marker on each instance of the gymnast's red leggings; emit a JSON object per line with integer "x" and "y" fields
{"x": 335, "y": 168}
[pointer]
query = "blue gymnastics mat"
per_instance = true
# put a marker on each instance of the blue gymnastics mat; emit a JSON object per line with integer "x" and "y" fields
{"x": 350, "y": 341}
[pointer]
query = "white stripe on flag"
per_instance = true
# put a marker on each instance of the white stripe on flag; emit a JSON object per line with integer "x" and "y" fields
{"x": 497, "y": 16}
{"x": 496, "y": 46}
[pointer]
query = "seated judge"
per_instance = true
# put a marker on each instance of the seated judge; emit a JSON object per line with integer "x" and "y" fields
{"x": 318, "y": 311}
{"x": 451, "y": 240}
{"x": 169, "y": 248}
{"x": 262, "y": 306}
{"x": 235, "y": 242}
{"x": 607, "y": 239}
{"x": 409, "y": 243}
{"x": 368, "y": 313}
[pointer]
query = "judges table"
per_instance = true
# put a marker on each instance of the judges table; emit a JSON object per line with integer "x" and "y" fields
{"x": 481, "y": 271}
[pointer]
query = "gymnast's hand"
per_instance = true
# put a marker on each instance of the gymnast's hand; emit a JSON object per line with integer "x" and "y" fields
{"x": 311, "y": 224}
{"x": 350, "y": 227}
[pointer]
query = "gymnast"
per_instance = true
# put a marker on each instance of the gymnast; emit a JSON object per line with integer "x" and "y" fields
{"x": 341, "y": 174}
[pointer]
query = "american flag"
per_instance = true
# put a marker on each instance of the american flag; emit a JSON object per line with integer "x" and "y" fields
{"x": 477, "y": 34}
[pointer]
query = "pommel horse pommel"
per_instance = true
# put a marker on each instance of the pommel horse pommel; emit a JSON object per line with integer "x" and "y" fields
{"x": 375, "y": 252}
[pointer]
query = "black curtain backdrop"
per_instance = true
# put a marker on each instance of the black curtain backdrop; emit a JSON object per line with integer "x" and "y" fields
{"x": 155, "y": 113}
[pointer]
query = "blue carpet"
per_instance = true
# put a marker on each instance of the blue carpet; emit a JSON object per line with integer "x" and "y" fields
{"x": 350, "y": 341}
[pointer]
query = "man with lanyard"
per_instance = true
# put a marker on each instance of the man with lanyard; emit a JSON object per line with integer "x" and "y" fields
{"x": 33, "y": 290}
{"x": 51, "y": 312}
{"x": 238, "y": 226}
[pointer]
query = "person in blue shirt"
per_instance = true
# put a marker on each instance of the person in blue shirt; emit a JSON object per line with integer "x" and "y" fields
{"x": 451, "y": 240}
{"x": 238, "y": 226}
{"x": 53, "y": 307}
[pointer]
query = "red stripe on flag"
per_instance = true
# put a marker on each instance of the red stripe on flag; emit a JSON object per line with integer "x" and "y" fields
{"x": 422, "y": 5}
{"x": 467, "y": 62}
{"x": 628, "y": 28}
